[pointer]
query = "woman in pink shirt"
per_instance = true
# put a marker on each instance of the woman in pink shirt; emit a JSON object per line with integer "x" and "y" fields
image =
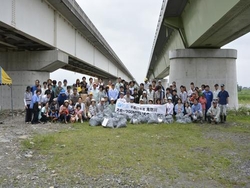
{"x": 203, "y": 102}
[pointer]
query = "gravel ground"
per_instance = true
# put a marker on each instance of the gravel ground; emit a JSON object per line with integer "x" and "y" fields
{"x": 23, "y": 168}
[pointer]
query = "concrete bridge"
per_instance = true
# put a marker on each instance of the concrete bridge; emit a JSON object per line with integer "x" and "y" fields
{"x": 39, "y": 36}
{"x": 188, "y": 39}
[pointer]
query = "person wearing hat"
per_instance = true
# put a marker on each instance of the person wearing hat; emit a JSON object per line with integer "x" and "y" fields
{"x": 223, "y": 98}
{"x": 144, "y": 97}
{"x": 197, "y": 111}
{"x": 101, "y": 106}
{"x": 112, "y": 105}
{"x": 141, "y": 101}
{"x": 64, "y": 115}
{"x": 169, "y": 107}
{"x": 146, "y": 84}
{"x": 121, "y": 98}
{"x": 216, "y": 92}
{"x": 132, "y": 99}
{"x": 92, "y": 109}
{"x": 113, "y": 92}
{"x": 209, "y": 97}
{"x": 213, "y": 113}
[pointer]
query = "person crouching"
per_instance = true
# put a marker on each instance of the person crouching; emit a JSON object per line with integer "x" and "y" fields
{"x": 213, "y": 113}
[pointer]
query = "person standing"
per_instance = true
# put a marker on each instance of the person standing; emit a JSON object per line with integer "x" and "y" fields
{"x": 34, "y": 105}
{"x": 209, "y": 97}
{"x": 223, "y": 98}
{"x": 183, "y": 94}
{"x": 27, "y": 101}
{"x": 216, "y": 92}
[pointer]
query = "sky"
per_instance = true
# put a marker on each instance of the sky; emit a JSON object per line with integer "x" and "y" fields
{"x": 129, "y": 27}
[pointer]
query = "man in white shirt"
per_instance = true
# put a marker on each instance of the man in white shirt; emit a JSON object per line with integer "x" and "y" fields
{"x": 151, "y": 93}
{"x": 216, "y": 92}
{"x": 121, "y": 99}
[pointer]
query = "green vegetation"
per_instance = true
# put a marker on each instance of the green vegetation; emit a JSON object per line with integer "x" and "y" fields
{"x": 165, "y": 151}
{"x": 244, "y": 97}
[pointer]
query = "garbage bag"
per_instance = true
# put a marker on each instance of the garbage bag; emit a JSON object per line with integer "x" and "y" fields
{"x": 107, "y": 112}
{"x": 134, "y": 121}
{"x": 179, "y": 116}
{"x": 122, "y": 123}
{"x": 94, "y": 121}
{"x": 142, "y": 118}
{"x": 109, "y": 124}
{"x": 168, "y": 119}
{"x": 153, "y": 118}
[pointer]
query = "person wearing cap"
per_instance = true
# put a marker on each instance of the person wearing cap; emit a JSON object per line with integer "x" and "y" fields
{"x": 141, "y": 101}
{"x": 92, "y": 109}
{"x": 112, "y": 105}
{"x": 146, "y": 84}
{"x": 61, "y": 97}
{"x": 127, "y": 96}
{"x": 213, "y": 113}
{"x": 83, "y": 108}
{"x": 101, "y": 106}
{"x": 216, "y": 92}
{"x": 113, "y": 92}
{"x": 150, "y": 93}
{"x": 131, "y": 99}
{"x": 169, "y": 107}
{"x": 74, "y": 96}
{"x": 197, "y": 111}
{"x": 144, "y": 97}
{"x": 121, "y": 98}
{"x": 64, "y": 115}
{"x": 223, "y": 98}
{"x": 209, "y": 97}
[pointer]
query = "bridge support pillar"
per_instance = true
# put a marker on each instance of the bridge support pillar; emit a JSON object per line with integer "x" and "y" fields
{"x": 205, "y": 66}
{"x": 24, "y": 68}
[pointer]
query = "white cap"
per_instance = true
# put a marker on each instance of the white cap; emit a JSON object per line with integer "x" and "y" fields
{"x": 144, "y": 92}
{"x": 92, "y": 100}
{"x": 102, "y": 99}
{"x": 112, "y": 99}
{"x": 169, "y": 98}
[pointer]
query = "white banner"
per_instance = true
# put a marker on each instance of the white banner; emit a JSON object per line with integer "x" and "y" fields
{"x": 130, "y": 108}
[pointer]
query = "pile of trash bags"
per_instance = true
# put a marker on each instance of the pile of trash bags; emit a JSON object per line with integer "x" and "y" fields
{"x": 117, "y": 120}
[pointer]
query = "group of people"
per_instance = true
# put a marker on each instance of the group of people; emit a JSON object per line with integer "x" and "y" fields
{"x": 58, "y": 101}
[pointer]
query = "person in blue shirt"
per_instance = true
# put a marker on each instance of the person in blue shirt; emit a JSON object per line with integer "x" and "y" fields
{"x": 34, "y": 88}
{"x": 197, "y": 111}
{"x": 34, "y": 105}
{"x": 223, "y": 98}
{"x": 62, "y": 97}
{"x": 209, "y": 97}
{"x": 113, "y": 92}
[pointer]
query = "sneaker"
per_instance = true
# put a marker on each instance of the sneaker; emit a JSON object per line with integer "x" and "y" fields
{"x": 81, "y": 121}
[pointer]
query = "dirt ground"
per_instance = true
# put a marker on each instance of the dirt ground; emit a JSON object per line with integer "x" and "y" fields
{"x": 20, "y": 167}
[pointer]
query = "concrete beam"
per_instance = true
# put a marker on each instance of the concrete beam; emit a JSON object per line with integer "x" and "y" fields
{"x": 47, "y": 61}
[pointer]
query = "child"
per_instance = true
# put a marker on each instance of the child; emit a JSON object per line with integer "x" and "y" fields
{"x": 53, "y": 115}
{"x": 78, "y": 113}
{"x": 203, "y": 102}
{"x": 188, "y": 109}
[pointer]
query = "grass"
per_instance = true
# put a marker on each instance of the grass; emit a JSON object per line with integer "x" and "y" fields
{"x": 158, "y": 151}
{"x": 244, "y": 97}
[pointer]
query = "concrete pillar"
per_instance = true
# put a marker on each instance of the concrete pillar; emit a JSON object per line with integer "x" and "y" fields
{"x": 205, "y": 66}
{"x": 24, "y": 68}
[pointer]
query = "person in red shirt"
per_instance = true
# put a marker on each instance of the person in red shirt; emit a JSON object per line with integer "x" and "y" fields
{"x": 203, "y": 102}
